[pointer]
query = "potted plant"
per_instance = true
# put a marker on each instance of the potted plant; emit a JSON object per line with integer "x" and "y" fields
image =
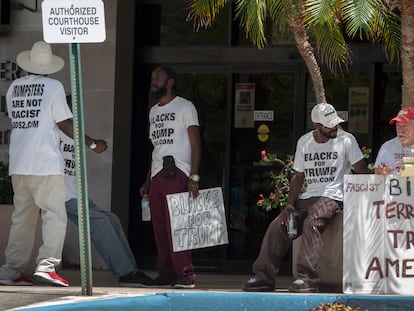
{"x": 279, "y": 181}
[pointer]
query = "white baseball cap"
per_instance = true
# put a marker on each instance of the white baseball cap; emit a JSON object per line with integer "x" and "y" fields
{"x": 326, "y": 115}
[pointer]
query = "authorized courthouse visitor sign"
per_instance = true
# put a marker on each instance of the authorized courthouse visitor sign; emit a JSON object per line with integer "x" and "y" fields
{"x": 197, "y": 223}
{"x": 73, "y": 21}
{"x": 378, "y": 234}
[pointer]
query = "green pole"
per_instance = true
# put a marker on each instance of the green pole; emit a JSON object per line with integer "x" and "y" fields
{"x": 80, "y": 159}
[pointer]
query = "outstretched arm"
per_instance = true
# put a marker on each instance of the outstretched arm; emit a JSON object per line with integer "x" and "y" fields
{"x": 66, "y": 127}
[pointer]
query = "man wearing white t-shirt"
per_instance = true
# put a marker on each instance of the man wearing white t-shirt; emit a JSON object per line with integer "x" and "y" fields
{"x": 37, "y": 108}
{"x": 392, "y": 152}
{"x": 322, "y": 158}
{"x": 174, "y": 133}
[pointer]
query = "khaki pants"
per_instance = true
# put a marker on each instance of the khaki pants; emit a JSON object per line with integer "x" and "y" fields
{"x": 32, "y": 193}
{"x": 315, "y": 214}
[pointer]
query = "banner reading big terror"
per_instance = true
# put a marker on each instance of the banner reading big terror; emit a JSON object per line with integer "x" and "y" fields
{"x": 378, "y": 234}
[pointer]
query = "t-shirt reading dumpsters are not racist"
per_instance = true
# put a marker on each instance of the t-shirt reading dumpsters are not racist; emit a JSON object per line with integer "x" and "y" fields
{"x": 35, "y": 105}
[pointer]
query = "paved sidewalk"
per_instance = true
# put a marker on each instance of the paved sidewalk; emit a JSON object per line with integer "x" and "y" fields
{"x": 212, "y": 292}
{"x": 105, "y": 284}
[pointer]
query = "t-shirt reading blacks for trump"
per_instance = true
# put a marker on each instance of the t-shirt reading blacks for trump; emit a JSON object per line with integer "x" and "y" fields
{"x": 324, "y": 164}
{"x": 169, "y": 133}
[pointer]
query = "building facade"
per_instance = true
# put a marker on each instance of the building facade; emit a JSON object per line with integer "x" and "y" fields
{"x": 248, "y": 100}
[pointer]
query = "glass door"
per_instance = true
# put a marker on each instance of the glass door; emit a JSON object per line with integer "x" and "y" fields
{"x": 270, "y": 99}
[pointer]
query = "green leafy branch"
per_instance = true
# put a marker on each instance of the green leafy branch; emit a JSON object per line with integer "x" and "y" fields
{"x": 279, "y": 182}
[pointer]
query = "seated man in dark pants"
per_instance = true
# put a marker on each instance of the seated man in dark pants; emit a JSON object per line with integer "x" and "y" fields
{"x": 106, "y": 230}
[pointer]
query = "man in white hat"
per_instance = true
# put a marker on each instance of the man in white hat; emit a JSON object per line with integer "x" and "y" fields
{"x": 37, "y": 108}
{"x": 322, "y": 158}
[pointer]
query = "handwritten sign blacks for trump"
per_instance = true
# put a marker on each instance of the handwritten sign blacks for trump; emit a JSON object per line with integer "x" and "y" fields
{"x": 197, "y": 223}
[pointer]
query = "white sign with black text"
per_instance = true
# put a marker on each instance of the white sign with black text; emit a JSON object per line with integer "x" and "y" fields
{"x": 263, "y": 115}
{"x": 197, "y": 223}
{"x": 73, "y": 21}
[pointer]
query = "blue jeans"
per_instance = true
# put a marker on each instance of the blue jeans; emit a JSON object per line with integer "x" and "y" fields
{"x": 108, "y": 237}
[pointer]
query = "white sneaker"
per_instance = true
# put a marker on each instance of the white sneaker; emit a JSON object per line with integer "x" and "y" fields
{"x": 51, "y": 278}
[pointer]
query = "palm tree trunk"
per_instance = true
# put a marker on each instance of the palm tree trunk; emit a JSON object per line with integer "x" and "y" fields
{"x": 407, "y": 51}
{"x": 306, "y": 51}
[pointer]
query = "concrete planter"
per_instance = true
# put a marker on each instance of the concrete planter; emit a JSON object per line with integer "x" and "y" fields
{"x": 330, "y": 265}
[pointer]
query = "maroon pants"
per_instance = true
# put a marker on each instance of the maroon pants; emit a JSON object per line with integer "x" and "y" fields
{"x": 170, "y": 265}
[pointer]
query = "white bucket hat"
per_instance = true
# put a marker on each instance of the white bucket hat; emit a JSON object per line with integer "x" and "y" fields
{"x": 40, "y": 60}
{"x": 326, "y": 115}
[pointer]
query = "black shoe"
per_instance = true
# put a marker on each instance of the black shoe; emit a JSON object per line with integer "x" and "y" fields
{"x": 160, "y": 282}
{"x": 183, "y": 282}
{"x": 135, "y": 279}
{"x": 254, "y": 285}
{"x": 300, "y": 286}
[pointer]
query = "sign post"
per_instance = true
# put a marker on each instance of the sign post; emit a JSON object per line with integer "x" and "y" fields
{"x": 74, "y": 22}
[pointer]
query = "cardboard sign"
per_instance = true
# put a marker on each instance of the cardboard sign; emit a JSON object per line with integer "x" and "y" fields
{"x": 378, "y": 234}
{"x": 197, "y": 223}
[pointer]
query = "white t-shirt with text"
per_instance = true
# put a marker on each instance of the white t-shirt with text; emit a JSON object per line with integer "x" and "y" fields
{"x": 67, "y": 147}
{"x": 35, "y": 105}
{"x": 324, "y": 164}
{"x": 168, "y": 132}
{"x": 392, "y": 153}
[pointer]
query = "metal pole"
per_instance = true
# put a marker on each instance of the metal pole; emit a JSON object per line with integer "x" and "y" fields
{"x": 80, "y": 159}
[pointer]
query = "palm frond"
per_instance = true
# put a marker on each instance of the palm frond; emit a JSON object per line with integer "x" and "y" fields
{"x": 331, "y": 46}
{"x": 252, "y": 16}
{"x": 278, "y": 12}
{"x": 320, "y": 11}
{"x": 204, "y": 12}
{"x": 373, "y": 20}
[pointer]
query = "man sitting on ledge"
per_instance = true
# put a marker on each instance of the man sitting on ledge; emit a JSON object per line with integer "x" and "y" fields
{"x": 322, "y": 158}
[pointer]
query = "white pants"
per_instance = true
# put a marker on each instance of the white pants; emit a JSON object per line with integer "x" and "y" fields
{"x": 32, "y": 193}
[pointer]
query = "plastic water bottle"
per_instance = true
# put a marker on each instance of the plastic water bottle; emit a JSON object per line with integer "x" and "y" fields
{"x": 145, "y": 210}
{"x": 292, "y": 229}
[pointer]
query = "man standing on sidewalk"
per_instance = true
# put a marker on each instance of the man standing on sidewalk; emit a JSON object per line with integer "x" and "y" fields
{"x": 37, "y": 108}
{"x": 175, "y": 135}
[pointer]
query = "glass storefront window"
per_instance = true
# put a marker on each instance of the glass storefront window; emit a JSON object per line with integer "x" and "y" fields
{"x": 390, "y": 103}
{"x": 348, "y": 93}
{"x": 208, "y": 92}
{"x": 165, "y": 24}
{"x": 272, "y": 92}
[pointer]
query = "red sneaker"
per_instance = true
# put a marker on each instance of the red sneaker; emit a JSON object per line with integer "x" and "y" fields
{"x": 51, "y": 278}
{"x": 20, "y": 281}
